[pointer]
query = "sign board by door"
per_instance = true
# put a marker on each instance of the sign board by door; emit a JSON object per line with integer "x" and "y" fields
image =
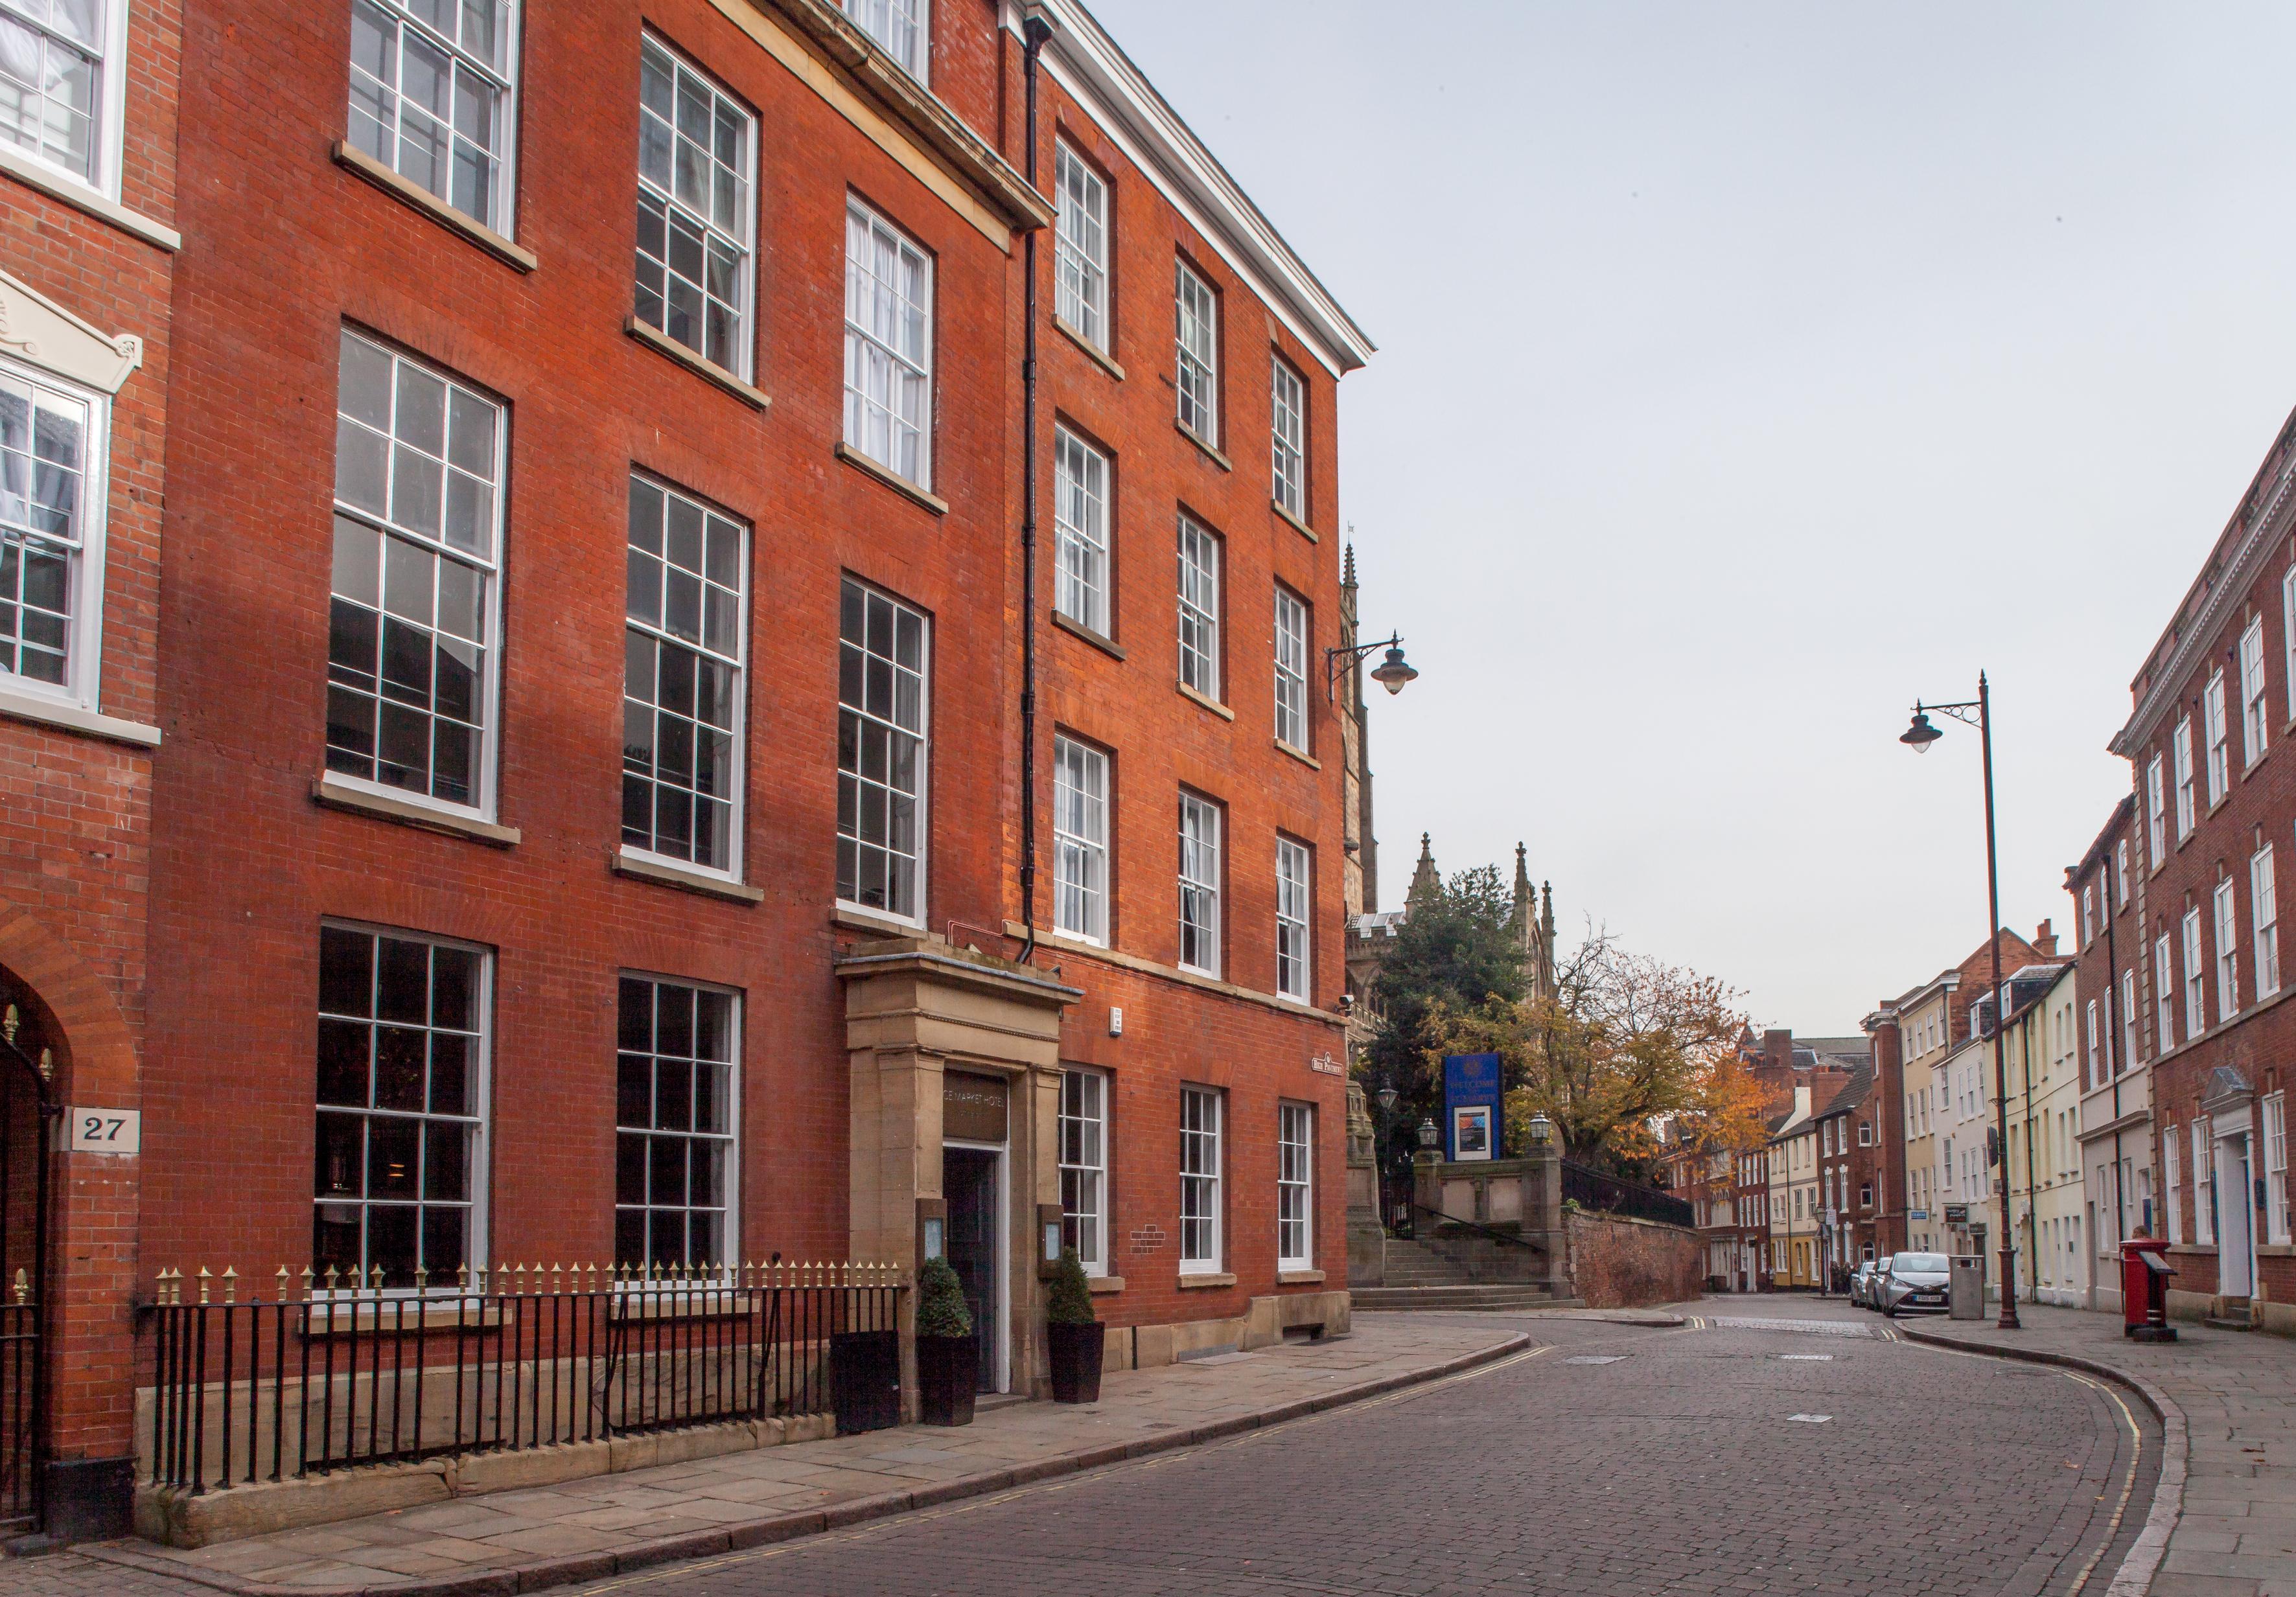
{"x": 1471, "y": 1106}
{"x": 972, "y": 1108}
{"x": 105, "y": 1130}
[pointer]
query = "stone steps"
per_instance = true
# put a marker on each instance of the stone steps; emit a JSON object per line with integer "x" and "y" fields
{"x": 1489, "y": 1296}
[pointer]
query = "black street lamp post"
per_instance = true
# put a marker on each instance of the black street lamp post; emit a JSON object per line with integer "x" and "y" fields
{"x": 1978, "y": 713}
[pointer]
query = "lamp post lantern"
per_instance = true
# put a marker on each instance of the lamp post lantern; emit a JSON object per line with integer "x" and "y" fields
{"x": 1978, "y": 712}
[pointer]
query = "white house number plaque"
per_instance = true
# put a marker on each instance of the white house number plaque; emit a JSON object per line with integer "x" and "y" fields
{"x": 106, "y": 1130}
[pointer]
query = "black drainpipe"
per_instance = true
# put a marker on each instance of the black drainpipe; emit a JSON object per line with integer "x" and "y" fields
{"x": 1034, "y": 31}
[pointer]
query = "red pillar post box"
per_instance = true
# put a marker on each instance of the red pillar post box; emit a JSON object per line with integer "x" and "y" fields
{"x": 2145, "y": 1275}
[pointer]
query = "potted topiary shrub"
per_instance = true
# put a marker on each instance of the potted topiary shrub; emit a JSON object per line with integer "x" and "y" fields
{"x": 948, "y": 1352}
{"x": 1076, "y": 1337}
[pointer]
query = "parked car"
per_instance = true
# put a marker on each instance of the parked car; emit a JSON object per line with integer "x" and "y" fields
{"x": 1915, "y": 1282}
{"x": 1861, "y": 1282}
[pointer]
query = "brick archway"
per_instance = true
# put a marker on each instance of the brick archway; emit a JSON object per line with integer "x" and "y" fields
{"x": 93, "y": 1208}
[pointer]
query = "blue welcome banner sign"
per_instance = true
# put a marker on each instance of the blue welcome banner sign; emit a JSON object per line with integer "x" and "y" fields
{"x": 1472, "y": 1114}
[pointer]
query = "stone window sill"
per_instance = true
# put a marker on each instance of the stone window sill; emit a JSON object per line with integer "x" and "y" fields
{"x": 627, "y": 863}
{"x": 892, "y": 479}
{"x": 708, "y": 370}
{"x": 1191, "y": 1283}
{"x": 1301, "y": 755}
{"x": 54, "y": 712}
{"x": 1100, "y": 358}
{"x": 80, "y": 197}
{"x": 1189, "y": 433}
{"x": 1299, "y": 1278}
{"x": 875, "y": 922}
{"x": 1210, "y": 703}
{"x": 1298, "y": 526}
{"x": 356, "y": 160}
{"x": 1104, "y": 1283}
{"x": 334, "y": 793}
{"x": 1105, "y": 644}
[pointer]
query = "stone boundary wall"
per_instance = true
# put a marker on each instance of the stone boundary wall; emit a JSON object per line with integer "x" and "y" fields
{"x": 1620, "y": 1262}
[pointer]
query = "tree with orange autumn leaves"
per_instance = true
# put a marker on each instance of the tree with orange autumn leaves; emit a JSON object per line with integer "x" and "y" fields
{"x": 1623, "y": 1043}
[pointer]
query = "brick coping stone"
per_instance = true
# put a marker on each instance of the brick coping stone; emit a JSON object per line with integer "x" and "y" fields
{"x": 2134, "y": 1576}
{"x": 770, "y": 1528}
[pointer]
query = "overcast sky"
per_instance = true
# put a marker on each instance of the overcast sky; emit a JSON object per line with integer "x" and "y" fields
{"x": 1746, "y": 370}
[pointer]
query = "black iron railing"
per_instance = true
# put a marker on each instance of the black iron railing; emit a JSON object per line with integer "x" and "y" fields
{"x": 313, "y": 1380}
{"x": 1437, "y": 1218}
{"x": 1597, "y": 1188}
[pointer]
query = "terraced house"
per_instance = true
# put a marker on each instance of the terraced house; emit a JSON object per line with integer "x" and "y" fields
{"x": 746, "y": 588}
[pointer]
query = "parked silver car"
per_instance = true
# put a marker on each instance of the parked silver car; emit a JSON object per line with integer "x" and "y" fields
{"x": 1862, "y": 1282}
{"x": 1913, "y": 1281}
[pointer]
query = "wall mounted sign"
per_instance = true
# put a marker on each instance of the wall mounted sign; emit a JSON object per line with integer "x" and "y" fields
{"x": 105, "y": 1130}
{"x": 1324, "y": 1064}
{"x": 972, "y": 1108}
{"x": 1471, "y": 1106}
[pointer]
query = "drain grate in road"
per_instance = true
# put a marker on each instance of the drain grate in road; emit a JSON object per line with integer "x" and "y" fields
{"x": 1827, "y": 1327}
{"x": 1594, "y": 1358}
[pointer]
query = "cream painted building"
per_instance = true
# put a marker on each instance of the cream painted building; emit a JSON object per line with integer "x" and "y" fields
{"x": 2047, "y": 1040}
{"x": 1795, "y": 1249}
{"x": 1924, "y": 1039}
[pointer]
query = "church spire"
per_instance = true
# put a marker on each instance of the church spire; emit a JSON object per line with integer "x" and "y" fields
{"x": 1424, "y": 881}
{"x": 1522, "y": 923}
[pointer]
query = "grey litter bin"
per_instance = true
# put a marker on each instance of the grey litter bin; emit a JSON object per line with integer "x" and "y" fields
{"x": 1965, "y": 1295}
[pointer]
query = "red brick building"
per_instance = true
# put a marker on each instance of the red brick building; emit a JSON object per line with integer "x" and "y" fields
{"x": 87, "y": 248}
{"x": 684, "y": 740}
{"x": 2213, "y": 806}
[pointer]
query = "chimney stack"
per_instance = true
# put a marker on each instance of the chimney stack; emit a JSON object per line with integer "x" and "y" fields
{"x": 2044, "y": 942}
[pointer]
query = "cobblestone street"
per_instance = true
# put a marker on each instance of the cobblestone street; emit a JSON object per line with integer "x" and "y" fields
{"x": 1675, "y": 1464}
{"x": 1783, "y": 1445}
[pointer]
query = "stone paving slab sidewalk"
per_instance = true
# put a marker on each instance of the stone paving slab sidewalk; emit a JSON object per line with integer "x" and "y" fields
{"x": 520, "y": 1541}
{"x": 2224, "y": 1519}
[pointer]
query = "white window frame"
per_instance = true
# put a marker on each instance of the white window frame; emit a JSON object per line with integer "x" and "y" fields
{"x": 2129, "y": 1050}
{"x": 2255, "y": 738}
{"x": 2264, "y": 915}
{"x": 2121, "y": 872}
{"x": 657, "y": 632}
{"x": 1196, "y": 341}
{"x": 2228, "y": 948}
{"x": 1081, "y": 502}
{"x": 1292, "y": 627}
{"x": 479, "y": 1120}
{"x": 2089, "y": 913}
{"x": 2215, "y": 715}
{"x": 1201, "y": 551}
{"x": 1295, "y": 1185}
{"x": 2164, "y": 994}
{"x": 736, "y": 232}
{"x": 2195, "y": 977}
{"x": 729, "y": 1140}
{"x": 83, "y": 629}
{"x": 876, "y": 19}
{"x": 2276, "y": 1167}
{"x": 1198, "y": 880}
{"x": 1081, "y": 241}
{"x": 1080, "y": 840}
{"x": 488, "y": 563}
{"x": 1295, "y": 888}
{"x": 2288, "y": 635}
{"x": 2096, "y": 1049}
{"x": 1288, "y": 435}
{"x": 2156, "y": 813}
{"x": 2170, "y": 1159}
{"x": 865, "y": 341}
{"x": 1083, "y": 1149}
{"x": 1202, "y": 1111}
{"x": 868, "y": 718}
{"x": 2204, "y": 1217}
{"x": 503, "y": 75}
{"x": 2183, "y": 747}
{"x": 107, "y": 122}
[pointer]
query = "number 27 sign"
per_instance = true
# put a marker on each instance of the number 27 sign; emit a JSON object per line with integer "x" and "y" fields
{"x": 106, "y": 1130}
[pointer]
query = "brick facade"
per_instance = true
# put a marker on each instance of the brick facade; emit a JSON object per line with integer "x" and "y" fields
{"x": 86, "y": 270}
{"x": 2219, "y": 1065}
